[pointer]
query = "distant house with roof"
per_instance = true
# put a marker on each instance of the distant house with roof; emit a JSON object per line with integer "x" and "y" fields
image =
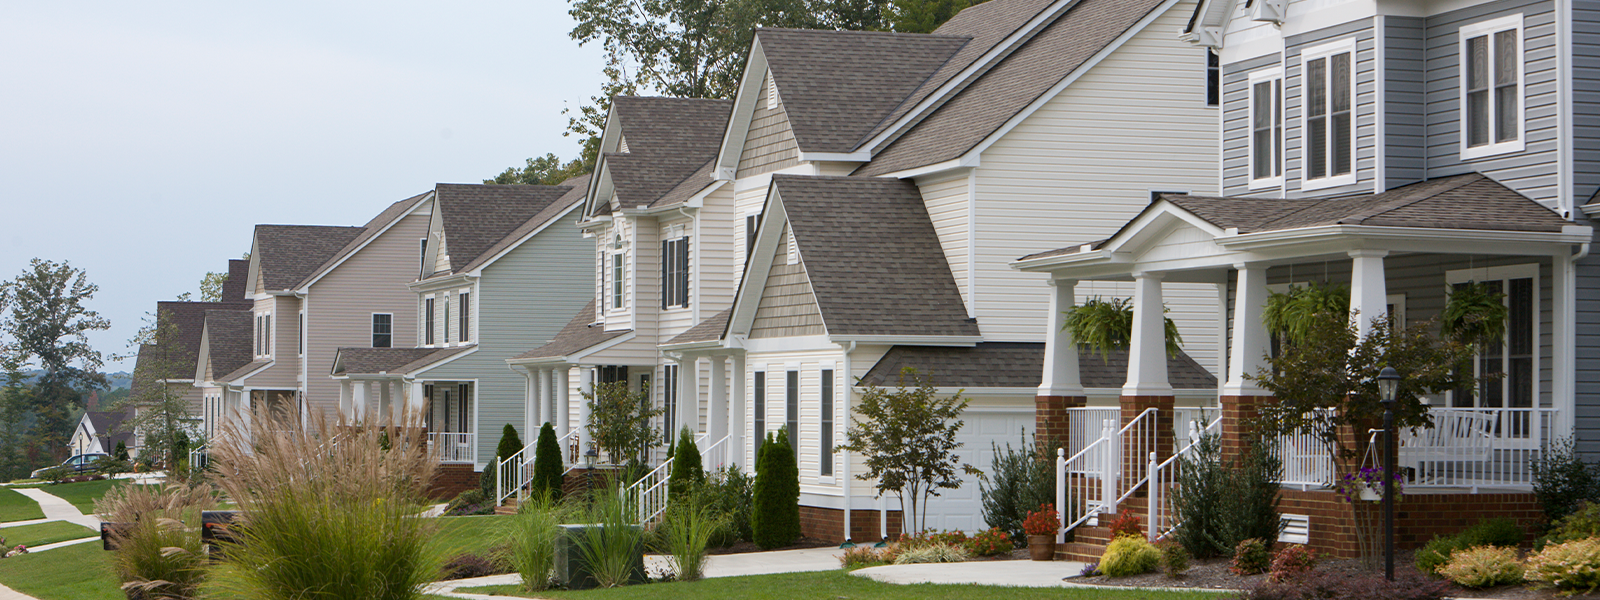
{"x": 99, "y": 432}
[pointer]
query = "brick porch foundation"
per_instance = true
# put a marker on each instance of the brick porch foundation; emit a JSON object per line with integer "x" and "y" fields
{"x": 1418, "y": 517}
{"x": 450, "y": 480}
{"x": 827, "y": 524}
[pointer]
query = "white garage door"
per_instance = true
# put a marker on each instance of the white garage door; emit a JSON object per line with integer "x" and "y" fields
{"x": 962, "y": 508}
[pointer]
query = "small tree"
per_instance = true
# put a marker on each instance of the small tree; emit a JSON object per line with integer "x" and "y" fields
{"x": 121, "y": 453}
{"x": 547, "y": 465}
{"x": 619, "y": 420}
{"x": 775, "y": 507}
{"x": 687, "y": 471}
{"x": 510, "y": 443}
{"x": 157, "y": 409}
{"x": 908, "y": 440}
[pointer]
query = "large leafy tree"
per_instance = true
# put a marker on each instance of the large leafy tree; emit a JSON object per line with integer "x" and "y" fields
{"x": 545, "y": 170}
{"x": 47, "y": 321}
{"x": 907, "y": 436}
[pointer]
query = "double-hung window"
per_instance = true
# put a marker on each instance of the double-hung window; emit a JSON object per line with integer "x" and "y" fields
{"x": 675, "y": 273}
{"x": 1491, "y": 87}
{"x": 264, "y": 334}
{"x": 792, "y": 406}
{"x": 465, "y": 299}
{"x": 1266, "y": 129}
{"x": 1505, "y": 370}
{"x": 382, "y": 330}
{"x": 1328, "y": 73}
{"x": 427, "y": 321}
{"x": 616, "y": 273}
{"x": 669, "y": 402}
{"x": 759, "y": 406}
{"x": 827, "y": 423}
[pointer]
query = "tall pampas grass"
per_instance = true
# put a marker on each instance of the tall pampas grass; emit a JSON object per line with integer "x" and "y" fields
{"x": 327, "y": 510}
{"x": 158, "y": 551}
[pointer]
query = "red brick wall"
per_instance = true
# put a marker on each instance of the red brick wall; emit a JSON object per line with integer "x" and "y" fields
{"x": 827, "y": 524}
{"x": 1052, "y": 421}
{"x": 450, "y": 480}
{"x": 1418, "y": 517}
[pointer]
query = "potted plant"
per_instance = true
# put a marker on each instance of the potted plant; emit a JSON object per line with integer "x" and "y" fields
{"x": 1475, "y": 314}
{"x": 1041, "y": 527}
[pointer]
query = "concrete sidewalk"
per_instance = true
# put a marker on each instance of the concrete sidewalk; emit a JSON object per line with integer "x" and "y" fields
{"x": 724, "y": 565}
{"x": 1014, "y": 573}
{"x": 56, "y": 509}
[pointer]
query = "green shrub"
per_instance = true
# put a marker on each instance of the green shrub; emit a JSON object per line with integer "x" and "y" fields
{"x": 1292, "y": 560}
{"x": 160, "y": 556}
{"x": 532, "y": 535}
{"x": 990, "y": 542}
{"x": 1251, "y": 557}
{"x": 1570, "y": 566}
{"x": 1174, "y": 558}
{"x": 1019, "y": 480}
{"x": 510, "y": 443}
{"x": 775, "y": 510}
{"x": 1129, "y": 555}
{"x": 1345, "y": 585}
{"x": 1562, "y": 480}
{"x": 687, "y": 472}
{"x": 547, "y": 481}
{"x": 1582, "y": 523}
{"x": 685, "y": 531}
{"x": 55, "y": 474}
{"x": 1498, "y": 531}
{"x": 470, "y": 502}
{"x": 1220, "y": 504}
{"x": 121, "y": 453}
{"x": 1436, "y": 553}
{"x": 1483, "y": 566}
{"x": 727, "y": 493}
{"x": 937, "y": 552}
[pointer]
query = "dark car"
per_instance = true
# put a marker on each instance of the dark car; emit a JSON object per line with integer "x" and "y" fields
{"x": 76, "y": 464}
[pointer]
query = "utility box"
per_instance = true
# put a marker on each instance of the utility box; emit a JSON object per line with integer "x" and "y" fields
{"x": 572, "y": 568}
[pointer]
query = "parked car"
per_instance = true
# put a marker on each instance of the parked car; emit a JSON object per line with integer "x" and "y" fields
{"x": 76, "y": 464}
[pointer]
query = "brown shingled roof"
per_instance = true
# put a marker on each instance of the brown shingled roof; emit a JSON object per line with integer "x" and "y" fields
{"x": 669, "y": 139}
{"x": 373, "y": 227}
{"x": 477, "y": 216}
{"x": 577, "y": 187}
{"x": 874, "y": 261}
{"x": 229, "y": 334}
{"x": 1018, "y": 365}
{"x": 709, "y": 330}
{"x": 575, "y": 337}
{"x": 189, "y": 319}
{"x": 288, "y": 254}
{"x": 396, "y": 361}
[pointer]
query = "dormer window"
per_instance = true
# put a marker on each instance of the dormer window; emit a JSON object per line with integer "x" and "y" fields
{"x": 1329, "y": 83}
{"x": 1491, "y": 91}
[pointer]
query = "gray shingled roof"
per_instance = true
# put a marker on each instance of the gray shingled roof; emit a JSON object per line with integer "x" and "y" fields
{"x": 244, "y": 370}
{"x": 477, "y": 216}
{"x": 373, "y": 227}
{"x": 1018, "y": 365}
{"x": 396, "y": 361}
{"x": 575, "y": 337}
{"x": 229, "y": 334}
{"x": 837, "y": 86}
{"x": 288, "y": 254}
{"x": 669, "y": 139}
{"x": 237, "y": 287}
{"x": 107, "y": 425}
{"x": 709, "y": 330}
{"x": 1004, "y": 90}
{"x": 874, "y": 261}
{"x": 1470, "y": 201}
{"x": 190, "y": 320}
{"x": 577, "y": 187}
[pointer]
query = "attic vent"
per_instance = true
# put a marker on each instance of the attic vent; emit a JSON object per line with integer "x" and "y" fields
{"x": 794, "y": 251}
{"x": 622, "y": 145}
{"x": 1296, "y": 529}
{"x": 772, "y": 92}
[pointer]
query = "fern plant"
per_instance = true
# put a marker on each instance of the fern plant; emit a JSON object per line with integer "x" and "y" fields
{"x": 1475, "y": 314}
{"x": 1106, "y": 325}
{"x": 1290, "y": 315}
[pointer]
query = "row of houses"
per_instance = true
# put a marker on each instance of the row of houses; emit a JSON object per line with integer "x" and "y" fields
{"x": 871, "y": 201}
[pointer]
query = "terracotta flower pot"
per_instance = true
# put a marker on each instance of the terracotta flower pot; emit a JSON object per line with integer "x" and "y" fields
{"x": 1042, "y": 547}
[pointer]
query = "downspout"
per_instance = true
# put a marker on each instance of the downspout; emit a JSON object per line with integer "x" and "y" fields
{"x": 849, "y": 390}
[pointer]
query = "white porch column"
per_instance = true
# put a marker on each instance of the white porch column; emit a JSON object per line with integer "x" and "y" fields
{"x": 563, "y": 377}
{"x": 1563, "y": 302}
{"x": 717, "y": 407}
{"x": 417, "y": 401}
{"x": 1250, "y": 339}
{"x": 345, "y": 410}
{"x": 736, "y": 414}
{"x": 688, "y": 395}
{"x": 586, "y": 379}
{"x": 1147, "y": 354}
{"x": 359, "y": 399}
{"x": 542, "y": 380}
{"x": 1060, "y": 377}
{"x": 532, "y": 408}
{"x": 1369, "y": 296}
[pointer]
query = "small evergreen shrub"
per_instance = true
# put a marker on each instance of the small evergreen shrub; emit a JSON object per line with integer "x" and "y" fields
{"x": 1570, "y": 566}
{"x": 1582, "y": 523}
{"x": 1344, "y": 585}
{"x": 936, "y": 552}
{"x": 860, "y": 556}
{"x": 1174, "y": 558}
{"x": 1127, "y": 523}
{"x": 1129, "y": 555}
{"x": 1221, "y": 503}
{"x": 1498, "y": 531}
{"x": 510, "y": 443}
{"x": 775, "y": 509}
{"x": 547, "y": 481}
{"x": 1251, "y": 557}
{"x": 686, "y": 468}
{"x": 1483, "y": 566}
{"x": 1293, "y": 560}
{"x": 1562, "y": 480}
{"x": 1019, "y": 479}
{"x": 991, "y": 542}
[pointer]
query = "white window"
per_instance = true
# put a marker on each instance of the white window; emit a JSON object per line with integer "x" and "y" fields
{"x": 382, "y": 330}
{"x": 427, "y": 321}
{"x": 616, "y": 273}
{"x": 791, "y": 401}
{"x": 1329, "y": 90}
{"x": 1266, "y": 129}
{"x": 264, "y": 334}
{"x": 675, "y": 273}
{"x": 1491, "y": 87}
{"x": 466, "y": 315}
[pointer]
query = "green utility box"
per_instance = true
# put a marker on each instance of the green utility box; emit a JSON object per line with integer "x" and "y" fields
{"x": 572, "y": 569}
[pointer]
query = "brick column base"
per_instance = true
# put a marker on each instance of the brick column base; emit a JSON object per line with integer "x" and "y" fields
{"x": 1236, "y": 411}
{"x": 1052, "y": 422}
{"x": 1132, "y": 406}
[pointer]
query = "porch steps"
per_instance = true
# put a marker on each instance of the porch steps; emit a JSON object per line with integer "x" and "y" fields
{"x": 509, "y": 508}
{"x": 1089, "y": 542}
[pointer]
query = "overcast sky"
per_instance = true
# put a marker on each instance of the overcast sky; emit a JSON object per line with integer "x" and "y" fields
{"x": 142, "y": 141}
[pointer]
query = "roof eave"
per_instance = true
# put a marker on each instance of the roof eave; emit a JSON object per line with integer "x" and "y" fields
{"x": 1051, "y": 263}
{"x": 910, "y": 340}
{"x": 1444, "y": 237}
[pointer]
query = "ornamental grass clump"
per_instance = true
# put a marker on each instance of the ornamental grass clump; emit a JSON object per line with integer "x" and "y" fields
{"x": 532, "y": 535}
{"x": 329, "y": 510}
{"x": 1570, "y": 567}
{"x": 1483, "y": 566}
{"x": 937, "y": 552}
{"x": 685, "y": 533}
{"x": 612, "y": 547}
{"x": 159, "y": 555}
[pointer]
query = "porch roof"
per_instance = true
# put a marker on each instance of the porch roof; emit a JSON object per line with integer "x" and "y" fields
{"x": 390, "y": 361}
{"x": 1018, "y": 365}
{"x": 580, "y": 334}
{"x": 709, "y": 330}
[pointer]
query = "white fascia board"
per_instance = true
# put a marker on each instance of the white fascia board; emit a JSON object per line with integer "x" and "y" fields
{"x": 859, "y": 156}
{"x": 596, "y": 222}
{"x": 969, "y": 161}
{"x": 478, "y": 272}
{"x": 962, "y": 79}
{"x": 910, "y": 340}
{"x": 1590, "y": 209}
{"x": 692, "y": 346}
{"x": 1053, "y": 263}
{"x": 600, "y": 188}
{"x": 758, "y": 264}
{"x": 418, "y": 373}
{"x": 1087, "y": 66}
{"x": 254, "y": 274}
{"x": 305, "y": 288}
{"x": 447, "y": 281}
{"x": 1439, "y": 240}
{"x": 750, "y": 90}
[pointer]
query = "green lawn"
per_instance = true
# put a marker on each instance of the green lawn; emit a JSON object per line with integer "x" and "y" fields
{"x": 17, "y": 507}
{"x": 477, "y": 534}
{"x": 83, "y": 495}
{"x": 81, "y": 572}
{"x": 44, "y": 533}
{"x": 834, "y": 584}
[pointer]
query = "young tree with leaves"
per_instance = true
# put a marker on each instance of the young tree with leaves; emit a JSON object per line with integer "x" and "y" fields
{"x": 48, "y": 321}
{"x": 156, "y": 408}
{"x": 619, "y": 420}
{"x": 907, "y": 437}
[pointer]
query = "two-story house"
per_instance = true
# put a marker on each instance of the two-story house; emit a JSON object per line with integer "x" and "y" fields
{"x": 501, "y": 269}
{"x": 1403, "y": 149}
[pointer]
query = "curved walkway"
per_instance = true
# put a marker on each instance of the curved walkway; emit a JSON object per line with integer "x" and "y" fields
{"x": 55, "y": 509}
{"x": 721, "y": 565}
{"x": 1014, "y": 573}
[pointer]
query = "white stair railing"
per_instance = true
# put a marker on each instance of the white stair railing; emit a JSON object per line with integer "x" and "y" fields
{"x": 515, "y": 473}
{"x": 650, "y": 492}
{"x": 1164, "y": 480}
{"x": 1096, "y": 479}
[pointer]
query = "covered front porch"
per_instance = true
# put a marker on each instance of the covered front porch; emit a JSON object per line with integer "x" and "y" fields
{"x": 390, "y": 385}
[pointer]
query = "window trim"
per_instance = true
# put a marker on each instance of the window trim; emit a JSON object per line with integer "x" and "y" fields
{"x": 676, "y": 255}
{"x": 616, "y": 275}
{"x": 375, "y": 333}
{"x": 1489, "y": 28}
{"x": 1325, "y": 51}
{"x": 1273, "y": 75}
{"x": 427, "y": 320}
{"x": 464, "y": 315}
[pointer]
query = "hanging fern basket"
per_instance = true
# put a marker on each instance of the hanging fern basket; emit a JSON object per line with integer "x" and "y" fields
{"x": 1475, "y": 314}
{"x": 1106, "y": 325}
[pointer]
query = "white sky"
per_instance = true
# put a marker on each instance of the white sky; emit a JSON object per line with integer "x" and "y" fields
{"x": 142, "y": 141}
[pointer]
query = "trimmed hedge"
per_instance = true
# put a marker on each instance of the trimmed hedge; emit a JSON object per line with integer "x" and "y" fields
{"x": 775, "y": 514}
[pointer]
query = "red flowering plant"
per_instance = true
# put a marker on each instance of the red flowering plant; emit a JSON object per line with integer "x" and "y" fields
{"x": 1045, "y": 521}
{"x": 1126, "y": 523}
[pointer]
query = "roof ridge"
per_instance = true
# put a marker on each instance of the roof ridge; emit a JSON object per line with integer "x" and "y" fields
{"x": 1413, "y": 197}
{"x": 861, "y": 32}
{"x": 874, "y": 130}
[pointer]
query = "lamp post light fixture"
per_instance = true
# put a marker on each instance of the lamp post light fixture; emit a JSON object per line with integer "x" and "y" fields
{"x": 1388, "y": 385}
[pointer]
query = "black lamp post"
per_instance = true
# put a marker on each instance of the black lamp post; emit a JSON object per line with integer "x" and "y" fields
{"x": 1388, "y": 384}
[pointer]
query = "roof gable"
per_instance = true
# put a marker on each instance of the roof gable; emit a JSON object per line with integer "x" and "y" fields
{"x": 367, "y": 233}
{"x": 669, "y": 141}
{"x": 284, "y": 255}
{"x": 476, "y": 217}
{"x": 227, "y": 336}
{"x": 576, "y": 187}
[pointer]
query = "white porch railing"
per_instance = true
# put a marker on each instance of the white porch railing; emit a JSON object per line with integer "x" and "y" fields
{"x": 513, "y": 474}
{"x": 1086, "y": 423}
{"x": 1307, "y": 462}
{"x": 1476, "y": 447}
{"x": 452, "y": 447}
{"x": 1164, "y": 479}
{"x": 650, "y": 492}
{"x": 198, "y": 457}
{"x": 1098, "y": 478}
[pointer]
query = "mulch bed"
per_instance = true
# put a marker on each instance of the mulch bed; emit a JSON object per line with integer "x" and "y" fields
{"x": 1214, "y": 574}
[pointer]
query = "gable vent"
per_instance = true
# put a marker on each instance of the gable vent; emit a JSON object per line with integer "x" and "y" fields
{"x": 772, "y": 92}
